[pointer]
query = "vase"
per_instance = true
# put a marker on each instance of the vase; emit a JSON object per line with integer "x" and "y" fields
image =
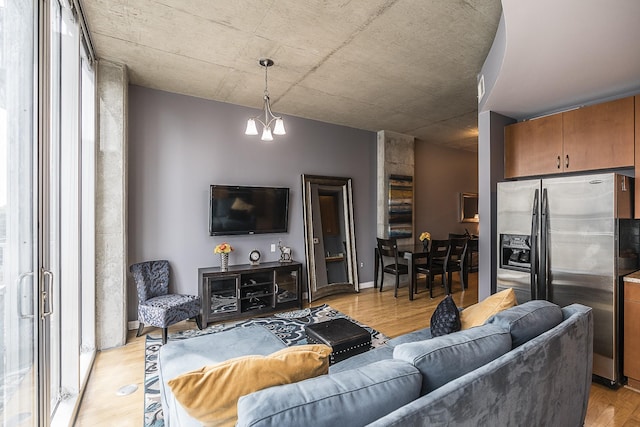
{"x": 224, "y": 262}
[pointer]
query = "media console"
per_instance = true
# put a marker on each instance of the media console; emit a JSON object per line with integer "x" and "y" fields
{"x": 249, "y": 290}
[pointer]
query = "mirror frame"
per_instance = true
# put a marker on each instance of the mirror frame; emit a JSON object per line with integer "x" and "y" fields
{"x": 468, "y": 216}
{"x": 343, "y": 185}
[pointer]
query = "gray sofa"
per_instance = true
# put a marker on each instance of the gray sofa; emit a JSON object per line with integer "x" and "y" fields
{"x": 528, "y": 365}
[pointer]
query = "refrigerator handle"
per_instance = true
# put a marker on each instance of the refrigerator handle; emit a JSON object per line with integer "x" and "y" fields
{"x": 533, "y": 254}
{"x": 542, "y": 275}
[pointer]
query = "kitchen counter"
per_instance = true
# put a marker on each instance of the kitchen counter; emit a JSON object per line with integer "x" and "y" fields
{"x": 633, "y": 277}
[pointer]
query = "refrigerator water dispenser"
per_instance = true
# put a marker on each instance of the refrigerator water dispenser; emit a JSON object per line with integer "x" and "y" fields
{"x": 515, "y": 252}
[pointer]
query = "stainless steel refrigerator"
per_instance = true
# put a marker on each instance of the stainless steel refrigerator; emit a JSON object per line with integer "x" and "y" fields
{"x": 558, "y": 239}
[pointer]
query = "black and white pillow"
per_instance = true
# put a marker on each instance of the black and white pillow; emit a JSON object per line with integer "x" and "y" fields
{"x": 446, "y": 318}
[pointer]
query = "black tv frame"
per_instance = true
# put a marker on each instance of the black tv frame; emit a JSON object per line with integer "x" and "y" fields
{"x": 247, "y": 231}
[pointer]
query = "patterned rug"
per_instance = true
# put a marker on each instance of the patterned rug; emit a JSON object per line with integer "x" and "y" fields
{"x": 288, "y": 326}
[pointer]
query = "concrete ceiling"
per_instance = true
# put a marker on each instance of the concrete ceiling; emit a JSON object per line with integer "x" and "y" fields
{"x": 408, "y": 66}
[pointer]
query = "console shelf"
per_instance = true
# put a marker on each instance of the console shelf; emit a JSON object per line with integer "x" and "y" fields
{"x": 249, "y": 290}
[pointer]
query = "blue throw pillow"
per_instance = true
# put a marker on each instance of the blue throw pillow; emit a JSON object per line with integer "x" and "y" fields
{"x": 446, "y": 318}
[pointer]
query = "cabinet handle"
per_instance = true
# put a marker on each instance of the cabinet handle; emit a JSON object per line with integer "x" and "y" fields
{"x": 566, "y": 161}
{"x": 558, "y": 162}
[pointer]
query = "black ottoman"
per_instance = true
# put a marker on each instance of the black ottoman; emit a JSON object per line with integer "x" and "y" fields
{"x": 345, "y": 337}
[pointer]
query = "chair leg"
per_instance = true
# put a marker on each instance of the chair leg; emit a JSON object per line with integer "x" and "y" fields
{"x": 381, "y": 280}
{"x": 164, "y": 335}
{"x": 199, "y": 321}
{"x": 140, "y": 328}
{"x": 395, "y": 291}
{"x": 447, "y": 291}
{"x": 430, "y": 284}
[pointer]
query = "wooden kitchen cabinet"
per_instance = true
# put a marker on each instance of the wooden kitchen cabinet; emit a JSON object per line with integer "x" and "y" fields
{"x": 533, "y": 147}
{"x": 596, "y": 137}
{"x": 631, "y": 356}
{"x": 600, "y": 136}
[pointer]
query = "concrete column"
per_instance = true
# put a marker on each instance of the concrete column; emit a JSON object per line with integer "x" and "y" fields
{"x": 111, "y": 206}
{"x": 395, "y": 157}
{"x": 490, "y": 172}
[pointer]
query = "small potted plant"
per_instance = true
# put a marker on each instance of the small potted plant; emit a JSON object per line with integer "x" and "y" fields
{"x": 224, "y": 249}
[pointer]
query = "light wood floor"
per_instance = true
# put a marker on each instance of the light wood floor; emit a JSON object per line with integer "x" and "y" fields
{"x": 125, "y": 365}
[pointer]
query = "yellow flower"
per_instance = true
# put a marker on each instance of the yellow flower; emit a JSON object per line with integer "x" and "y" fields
{"x": 223, "y": 248}
{"x": 425, "y": 236}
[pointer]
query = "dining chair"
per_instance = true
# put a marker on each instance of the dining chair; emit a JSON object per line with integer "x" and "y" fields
{"x": 156, "y": 306}
{"x": 436, "y": 259}
{"x": 455, "y": 260}
{"x": 388, "y": 248}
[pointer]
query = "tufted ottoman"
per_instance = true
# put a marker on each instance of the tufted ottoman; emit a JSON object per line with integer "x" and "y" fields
{"x": 345, "y": 337}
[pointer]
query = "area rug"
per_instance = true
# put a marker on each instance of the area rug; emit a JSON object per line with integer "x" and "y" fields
{"x": 288, "y": 327}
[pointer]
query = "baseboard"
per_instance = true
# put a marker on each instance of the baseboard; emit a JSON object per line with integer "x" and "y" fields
{"x": 133, "y": 325}
{"x": 365, "y": 285}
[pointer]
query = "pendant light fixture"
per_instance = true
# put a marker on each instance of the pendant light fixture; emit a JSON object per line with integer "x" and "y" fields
{"x": 269, "y": 117}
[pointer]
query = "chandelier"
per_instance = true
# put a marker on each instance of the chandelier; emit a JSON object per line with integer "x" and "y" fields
{"x": 269, "y": 117}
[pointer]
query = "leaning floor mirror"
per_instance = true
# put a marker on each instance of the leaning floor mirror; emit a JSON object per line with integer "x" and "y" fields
{"x": 329, "y": 236}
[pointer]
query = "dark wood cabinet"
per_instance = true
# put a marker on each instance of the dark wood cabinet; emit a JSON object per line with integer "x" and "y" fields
{"x": 600, "y": 136}
{"x": 249, "y": 290}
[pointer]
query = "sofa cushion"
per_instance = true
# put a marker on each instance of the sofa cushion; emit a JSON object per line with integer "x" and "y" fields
{"x": 350, "y": 398}
{"x": 448, "y": 357}
{"x": 479, "y": 313}
{"x": 419, "y": 335}
{"x": 179, "y": 356}
{"x": 445, "y": 318}
{"x": 383, "y": 352}
{"x": 528, "y": 320}
{"x": 210, "y": 394}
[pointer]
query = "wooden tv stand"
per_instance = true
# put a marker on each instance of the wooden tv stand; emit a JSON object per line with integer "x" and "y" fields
{"x": 249, "y": 290}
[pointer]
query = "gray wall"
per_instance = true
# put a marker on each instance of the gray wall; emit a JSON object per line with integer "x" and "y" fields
{"x": 441, "y": 174}
{"x": 179, "y": 145}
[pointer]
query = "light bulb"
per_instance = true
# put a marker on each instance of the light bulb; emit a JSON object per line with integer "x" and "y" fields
{"x": 266, "y": 134}
{"x": 251, "y": 127}
{"x": 278, "y": 129}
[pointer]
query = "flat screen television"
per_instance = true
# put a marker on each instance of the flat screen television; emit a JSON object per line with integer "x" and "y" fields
{"x": 247, "y": 210}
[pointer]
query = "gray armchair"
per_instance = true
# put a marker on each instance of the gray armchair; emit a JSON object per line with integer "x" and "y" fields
{"x": 156, "y": 306}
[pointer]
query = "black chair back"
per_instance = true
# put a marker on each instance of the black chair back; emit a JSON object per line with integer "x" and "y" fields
{"x": 438, "y": 251}
{"x": 389, "y": 248}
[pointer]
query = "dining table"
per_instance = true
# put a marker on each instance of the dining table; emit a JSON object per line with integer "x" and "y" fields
{"x": 412, "y": 252}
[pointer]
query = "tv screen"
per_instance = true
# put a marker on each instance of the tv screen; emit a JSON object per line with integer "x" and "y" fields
{"x": 247, "y": 210}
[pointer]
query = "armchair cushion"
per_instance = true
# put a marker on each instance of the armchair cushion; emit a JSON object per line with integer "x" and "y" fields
{"x": 165, "y": 310}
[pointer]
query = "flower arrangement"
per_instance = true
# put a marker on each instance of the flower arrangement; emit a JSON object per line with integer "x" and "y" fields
{"x": 223, "y": 248}
{"x": 425, "y": 236}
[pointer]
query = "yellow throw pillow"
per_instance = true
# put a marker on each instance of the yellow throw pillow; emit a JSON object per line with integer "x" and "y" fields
{"x": 211, "y": 394}
{"x": 479, "y": 313}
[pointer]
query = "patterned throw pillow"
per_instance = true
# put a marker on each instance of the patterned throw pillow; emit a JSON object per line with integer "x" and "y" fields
{"x": 446, "y": 318}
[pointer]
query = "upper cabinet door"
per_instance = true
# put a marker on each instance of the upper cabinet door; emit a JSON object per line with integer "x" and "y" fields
{"x": 599, "y": 136}
{"x": 533, "y": 147}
